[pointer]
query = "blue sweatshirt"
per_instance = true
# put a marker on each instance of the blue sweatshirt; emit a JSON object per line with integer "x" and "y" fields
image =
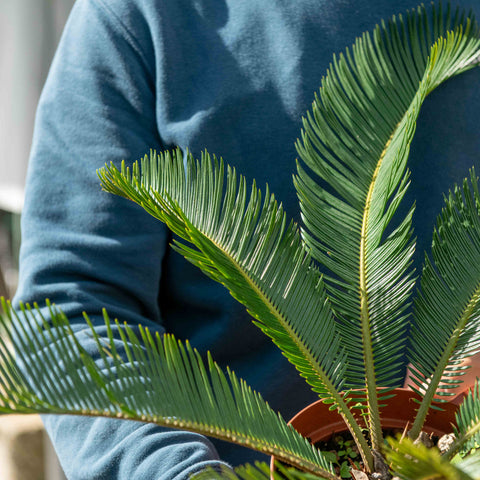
{"x": 231, "y": 76}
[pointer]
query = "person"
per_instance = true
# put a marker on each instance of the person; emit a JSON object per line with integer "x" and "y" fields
{"x": 231, "y": 76}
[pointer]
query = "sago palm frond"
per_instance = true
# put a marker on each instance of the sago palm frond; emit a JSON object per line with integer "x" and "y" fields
{"x": 417, "y": 462}
{"x": 470, "y": 465}
{"x": 467, "y": 430}
{"x": 353, "y": 176}
{"x": 446, "y": 326}
{"x": 247, "y": 247}
{"x": 261, "y": 471}
{"x": 345, "y": 335}
{"x": 161, "y": 380}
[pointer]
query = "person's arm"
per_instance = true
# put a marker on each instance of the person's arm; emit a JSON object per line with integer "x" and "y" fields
{"x": 85, "y": 249}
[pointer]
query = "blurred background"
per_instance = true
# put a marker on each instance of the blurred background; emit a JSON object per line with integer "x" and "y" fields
{"x": 29, "y": 33}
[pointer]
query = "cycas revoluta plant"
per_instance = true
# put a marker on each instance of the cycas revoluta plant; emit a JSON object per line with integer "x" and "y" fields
{"x": 334, "y": 295}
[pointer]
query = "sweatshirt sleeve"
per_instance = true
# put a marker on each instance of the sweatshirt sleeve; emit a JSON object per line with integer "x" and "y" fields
{"x": 85, "y": 249}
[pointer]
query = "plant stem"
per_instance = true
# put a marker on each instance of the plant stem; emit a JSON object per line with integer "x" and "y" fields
{"x": 355, "y": 430}
{"x": 459, "y": 442}
{"x": 370, "y": 381}
{"x": 432, "y": 387}
{"x": 316, "y": 367}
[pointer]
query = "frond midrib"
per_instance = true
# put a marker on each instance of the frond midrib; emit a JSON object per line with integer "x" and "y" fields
{"x": 107, "y": 399}
{"x": 171, "y": 211}
{"x": 460, "y": 441}
{"x": 343, "y": 409}
{"x": 427, "y": 400}
{"x": 211, "y": 430}
{"x": 468, "y": 422}
{"x": 370, "y": 380}
{"x": 276, "y": 313}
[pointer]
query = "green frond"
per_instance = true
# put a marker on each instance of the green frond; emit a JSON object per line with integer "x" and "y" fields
{"x": 245, "y": 245}
{"x": 467, "y": 430}
{"x": 259, "y": 471}
{"x": 470, "y": 465}
{"x": 417, "y": 462}
{"x": 342, "y": 335}
{"x": 446, "y": 323}
{"x": 161, "y": 381}
{"x": 248, "y": 247}
{"x": 353, "y": 176}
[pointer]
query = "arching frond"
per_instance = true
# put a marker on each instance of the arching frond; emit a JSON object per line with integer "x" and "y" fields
{"x": 161, "y": 380}
{"x": 470, "y": 465}
{"x": 417, "y": 462}
{"x": 244, "y": 245}
{"x": 259, "y": 471}
{"x": 247, "y": 247}
{"x": 467, "y": 431}
{"x": 353, "y": 176}
{"x": 446, "y": 325}
{"x": 346, "y": 333}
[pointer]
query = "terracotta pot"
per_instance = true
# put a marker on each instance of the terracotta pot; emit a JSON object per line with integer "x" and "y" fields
{"x": 319, "y": 424}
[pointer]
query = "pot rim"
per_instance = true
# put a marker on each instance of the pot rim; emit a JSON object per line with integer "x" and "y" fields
{"x": 398, "y": 413}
